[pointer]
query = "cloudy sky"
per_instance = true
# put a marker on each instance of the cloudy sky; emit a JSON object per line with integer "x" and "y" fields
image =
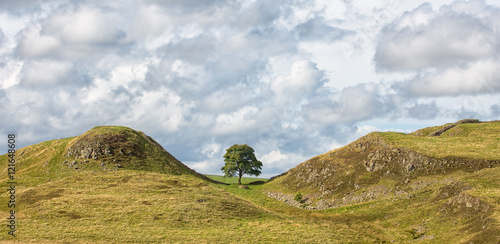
{"x": 292, "y": 79}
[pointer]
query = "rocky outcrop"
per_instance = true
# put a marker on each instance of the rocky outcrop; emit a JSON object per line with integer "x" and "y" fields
{"x": 104, "y": 146}
{"x": 406, "y": 162}
{"x": 396, "y": 160}
{"x": 93, "y": 150}
{"x": 306, "y": 203}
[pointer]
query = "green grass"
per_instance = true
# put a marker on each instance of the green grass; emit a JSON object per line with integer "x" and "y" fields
{"x": 470, "y": 141}
{"x": 234, "y": 180}
{"x": 391, "y": 219}
{"x": 147, "y": 207}
{"x": 38, "y": 163}
{"x": 57, "y": 204}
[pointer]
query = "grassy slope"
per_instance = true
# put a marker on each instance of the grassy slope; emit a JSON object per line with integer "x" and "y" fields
{"x": 434, "y": 209}
{"x": 478, "y": 141}
{"x": 471, "y": 141}
{"x": 453, "y": 207}
{"x": 141, "y": 207}
{"x": 42, "y": 162}
{"x": 57, "y": 203}
{"x": 135, "y": 206}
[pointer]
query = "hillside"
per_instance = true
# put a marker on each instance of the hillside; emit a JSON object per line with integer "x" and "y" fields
{"x": 101, "y": 149}
{"x": 109, "y": 185}
{"x": 437, "y": 167}
{"x": 117, "y": 185}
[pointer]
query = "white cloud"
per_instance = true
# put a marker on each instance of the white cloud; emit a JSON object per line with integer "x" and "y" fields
{"x": 239, "y": 121}
{"x": 350, "y": 104}
{"x": 35, "y": 44}
{"x": 10, "y": 72}
{"x": 150, "y": 21}
{"x": 291, "y": 78}
{"x": 478, "y": 77}
{"x": 304, "y": 78}
{"x": 206, "y": 167}
{"x": 211, "y": 149}
{"x": 365, "y": 130}
{"x": 160, "y": 111}
{"x": 46, "y": 73}
{"x": 423, "y": 38}
{"x": 84, "y": 25}
{"x": 258, "y": 13}
{"x": 424, "y": 111}
{"x": 229, "y": 99}
{"x": 276, "y": 162}
{"x": 273, "y": 157}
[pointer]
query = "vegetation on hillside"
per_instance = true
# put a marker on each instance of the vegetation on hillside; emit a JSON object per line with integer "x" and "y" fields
{"x": 425, "y": 170}
{"x": 117, "y": 185}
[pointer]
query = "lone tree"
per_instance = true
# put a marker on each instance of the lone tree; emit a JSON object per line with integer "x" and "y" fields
{"x": 240, "y": 160}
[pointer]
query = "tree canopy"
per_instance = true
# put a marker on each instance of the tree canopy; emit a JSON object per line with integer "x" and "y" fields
{"x": 240, "y": 160}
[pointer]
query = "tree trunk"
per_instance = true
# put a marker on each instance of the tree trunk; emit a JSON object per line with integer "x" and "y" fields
{"x": 239, "y": 179}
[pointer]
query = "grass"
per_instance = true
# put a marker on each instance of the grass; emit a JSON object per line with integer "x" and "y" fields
{"x": 131, "y": 149}
{"x": 440, "y": 202}
{"x": 146, "y": 207}
{"x": 234, "y": 180}
{"x": 471, "y": 141}
{"x": 58, "y": 204}
{"x": 392, "y": 219}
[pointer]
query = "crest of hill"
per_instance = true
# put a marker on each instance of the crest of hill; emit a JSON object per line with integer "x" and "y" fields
{"x": 103, "y": 148}
{"x": 436, "y": 175}
{"x": 122, "y": 147}
{"x": 393, "y": 159}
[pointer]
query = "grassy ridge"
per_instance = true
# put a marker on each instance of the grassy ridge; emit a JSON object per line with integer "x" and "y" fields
{"x": 383, "y": 177}
{"x": 128, "y": 148}
{"x": 58, "y": 204}
{"x": 471, "y": 141}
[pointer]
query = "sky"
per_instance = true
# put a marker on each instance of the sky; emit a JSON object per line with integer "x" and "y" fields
{"x": 292, "y": 79}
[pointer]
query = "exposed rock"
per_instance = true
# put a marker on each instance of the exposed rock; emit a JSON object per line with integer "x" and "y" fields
{"x": 306, "y": 203}
{"x": 103, "y": 146}
{"x": 72, "y": 164}
{"x": 92, "y": 149}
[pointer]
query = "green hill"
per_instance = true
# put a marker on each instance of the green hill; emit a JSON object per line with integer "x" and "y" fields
{"x": 117, "y": 185}
{"x": 448, "y": 176}
{"x": 101, "y": 149}
{"x": 113, "y": 184}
